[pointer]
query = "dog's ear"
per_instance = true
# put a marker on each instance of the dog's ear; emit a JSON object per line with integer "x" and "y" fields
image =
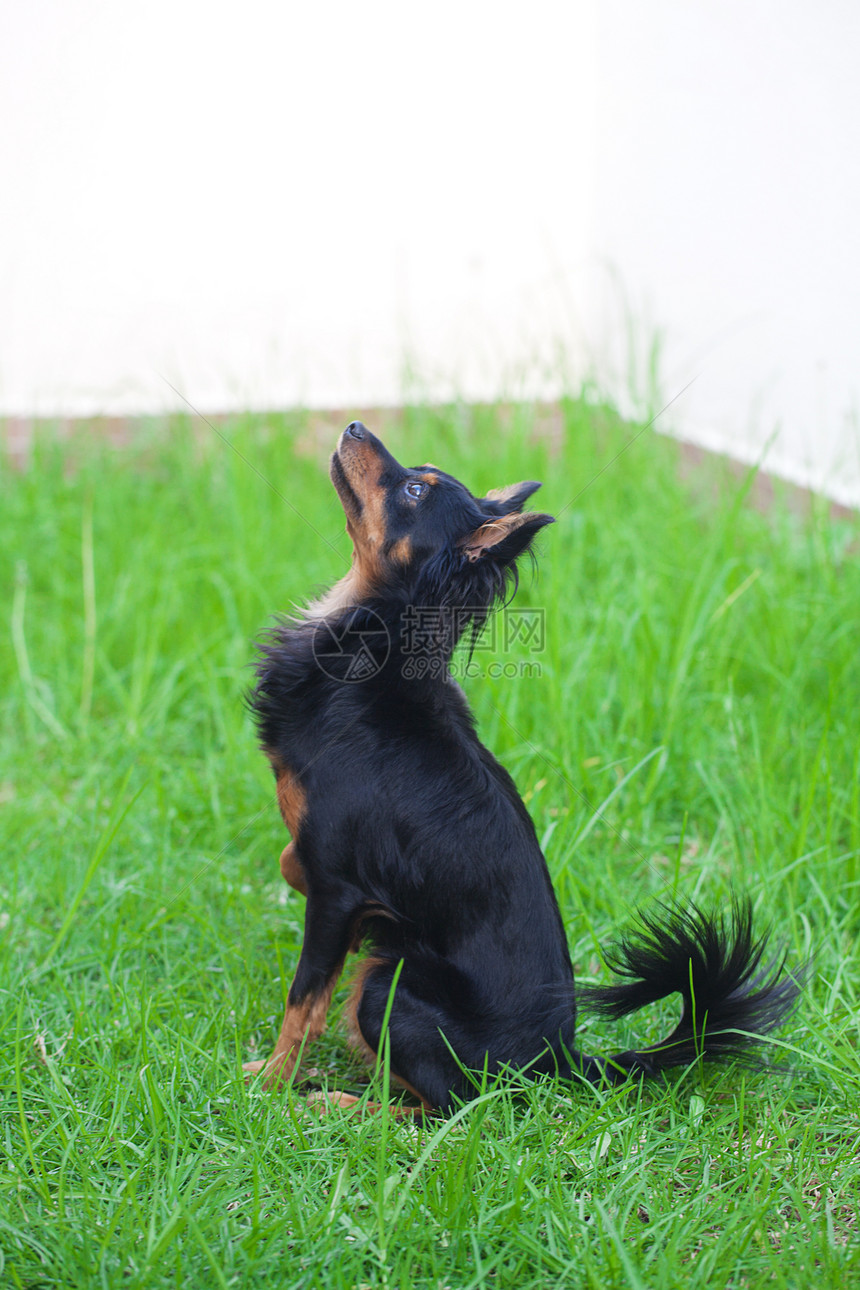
{"x": 503, "y": 539}
{"x": 501, "y": 501}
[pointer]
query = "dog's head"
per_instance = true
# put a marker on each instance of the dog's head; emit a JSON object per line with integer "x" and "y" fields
{"x": 420, "y": 528}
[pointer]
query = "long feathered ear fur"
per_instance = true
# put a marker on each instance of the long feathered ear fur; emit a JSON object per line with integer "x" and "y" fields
{"x": 503, "y": 539}
{"x": 481, "y": 569}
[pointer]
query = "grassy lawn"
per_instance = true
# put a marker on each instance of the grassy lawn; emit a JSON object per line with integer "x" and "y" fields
{"x": 688, "y": 724}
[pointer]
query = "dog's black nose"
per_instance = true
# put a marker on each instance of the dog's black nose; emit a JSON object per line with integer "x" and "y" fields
{"x": 355, "y": 430}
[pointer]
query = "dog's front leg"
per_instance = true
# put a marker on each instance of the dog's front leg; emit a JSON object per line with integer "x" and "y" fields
{"x": 329, "y": 921}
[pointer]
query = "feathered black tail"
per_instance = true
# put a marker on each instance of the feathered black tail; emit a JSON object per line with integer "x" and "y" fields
{"x": 732, "y": 997}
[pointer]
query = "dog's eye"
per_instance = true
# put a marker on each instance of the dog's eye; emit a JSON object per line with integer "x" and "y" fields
{"x": 414, "y": 489}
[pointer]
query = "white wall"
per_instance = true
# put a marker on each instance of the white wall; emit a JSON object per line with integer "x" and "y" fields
{"x": 728, "y": 198}
{"x": 273, "y": 203}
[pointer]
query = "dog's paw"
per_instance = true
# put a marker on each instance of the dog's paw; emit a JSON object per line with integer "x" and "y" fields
{"x": 323, "y": 1103}
{"x": 277, "y": 1071}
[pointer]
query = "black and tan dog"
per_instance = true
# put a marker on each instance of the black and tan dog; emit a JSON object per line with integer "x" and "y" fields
{"x": 410, "y": 838}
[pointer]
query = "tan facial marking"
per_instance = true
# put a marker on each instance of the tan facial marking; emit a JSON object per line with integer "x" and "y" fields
{"x": 372, "y": 521}
{"x": 401, "y": 551}
{"x": 368, "y": 531}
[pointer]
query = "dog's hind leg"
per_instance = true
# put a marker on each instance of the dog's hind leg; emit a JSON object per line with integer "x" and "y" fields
{"x": 328, "y": 933}
{"x": 421, "y": 1061}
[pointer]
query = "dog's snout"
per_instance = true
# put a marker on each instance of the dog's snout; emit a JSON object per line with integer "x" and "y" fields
{"x": 356, "y": 430}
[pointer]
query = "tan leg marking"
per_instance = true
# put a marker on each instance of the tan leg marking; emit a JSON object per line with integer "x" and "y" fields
{"x": 291, "y": 868}
{"x": 291, "y": 799}
{"x": 300, "y": 1020}
{"x": 356, "y": 1038}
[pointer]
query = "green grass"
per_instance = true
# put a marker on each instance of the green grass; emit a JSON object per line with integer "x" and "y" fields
{"x": 693, "y": 727}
